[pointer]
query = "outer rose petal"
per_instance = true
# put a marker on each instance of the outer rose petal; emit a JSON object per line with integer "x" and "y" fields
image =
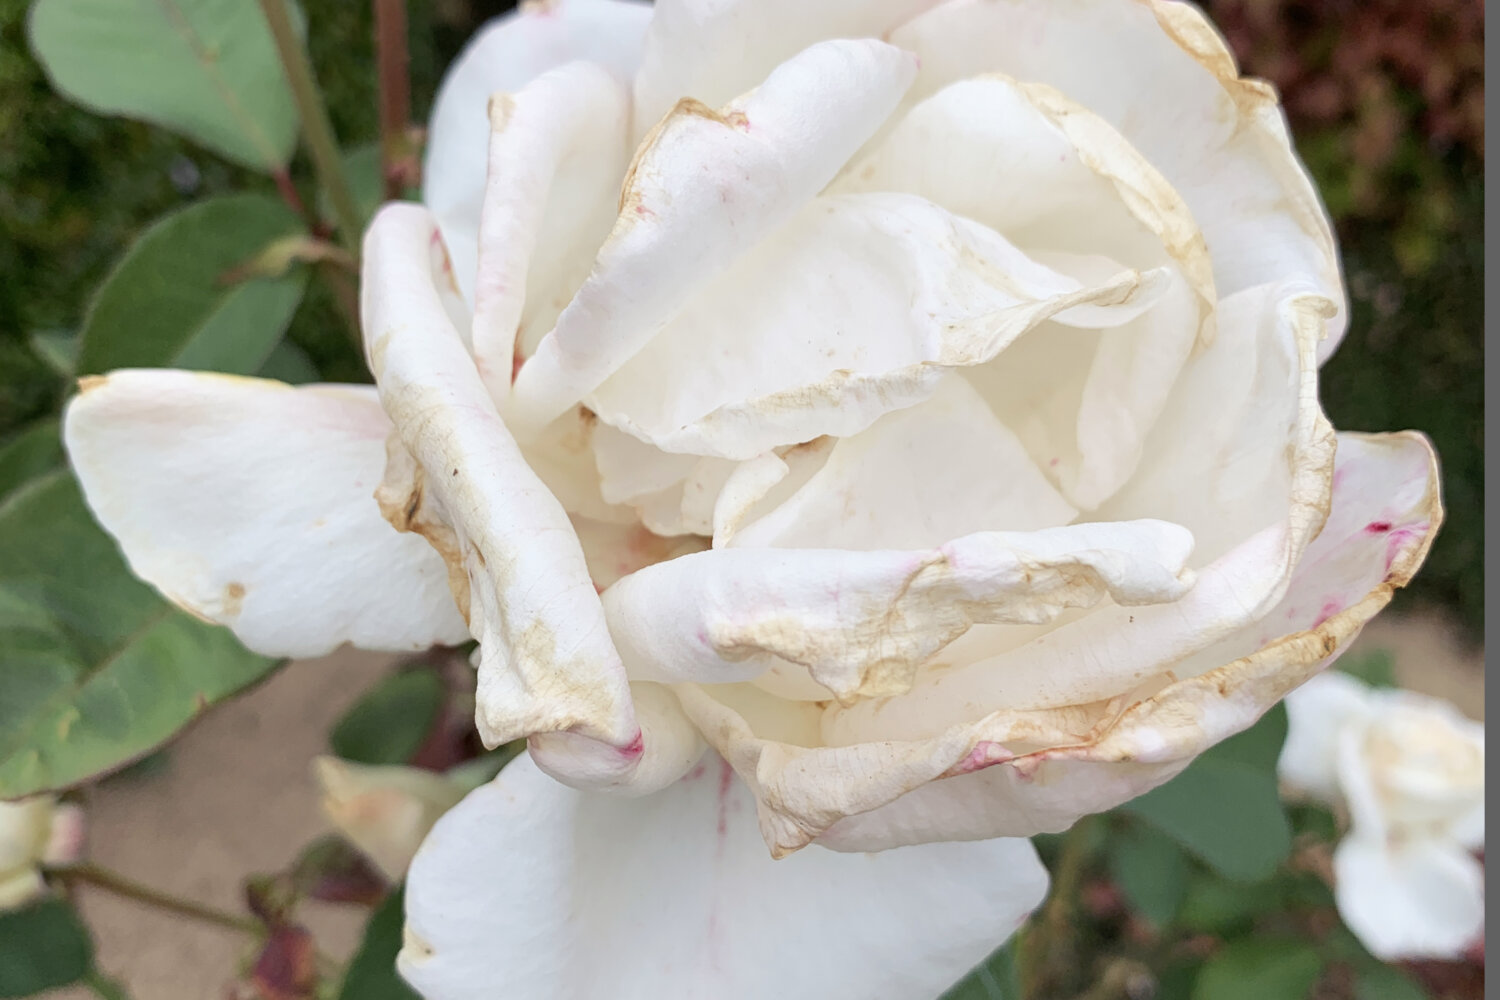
{"x": 862, "y": 622}
{"x": 712, "y": 50}
{"x": 250, "y": 503}
{"x": 1159, "y": 73}
{"x": 1423, "y": 899}
{"x": 1054, "y": 764}
{"x": 531, "y": 890}
{"x": 547, "y": 670}
{"x": 705, "y": 187}
{"x": 503, "y": 57}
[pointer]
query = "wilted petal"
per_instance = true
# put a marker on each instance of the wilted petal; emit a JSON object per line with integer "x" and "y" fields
{"x": 547, "y": 669}
{"x": 534, "y": 890}
{"x": 502, "y": 58}
{"x": 705, "y": 187}
{"x": 854, "y": 308}
{"x": 1423, "y": 899}
{"x": 862, "y": 622}
{"x": 1159, "y": 73}
{"x": 251, "y": 503}
{"x": 557, "y": 152}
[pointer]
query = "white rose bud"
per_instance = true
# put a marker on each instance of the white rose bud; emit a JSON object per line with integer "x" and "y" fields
{"x": 915, "y": 403}
{"x": 385, "y": 812}
{"x": 34, "y": 832}
{"x": 1407, "y": 771}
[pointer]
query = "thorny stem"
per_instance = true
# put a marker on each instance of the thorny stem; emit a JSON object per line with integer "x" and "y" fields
{"x": 317, "y": 131}
{"x": 113, "y": 882}
{"x": 1047, "y": 944}
{"x": 392, "y": 62}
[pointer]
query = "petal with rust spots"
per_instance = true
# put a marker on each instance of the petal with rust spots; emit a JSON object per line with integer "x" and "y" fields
{"x": 1287, "y": 472}
{"x": 1059, "y": 181}
{"x": 578, "y": 896}
{"x": 705, "y": 187}
{"x": 862, "y": 622}
{"x": 250, "y": 503}
{"x": 1160, "y": 74}
{"x": 547, "y": 665}
{"x": 557, "y": 152}
{"x": 503, "y": 57}
{"x": 856, "y": 307}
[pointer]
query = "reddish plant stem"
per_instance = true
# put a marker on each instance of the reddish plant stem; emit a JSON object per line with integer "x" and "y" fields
{"x": 392, "y": 64}
{"x": 288, "y": 192}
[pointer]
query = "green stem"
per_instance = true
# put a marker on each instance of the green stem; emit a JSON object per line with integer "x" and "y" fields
{"x": 317, "y": 131}
{"x": 106, "y": 988}
{"x": 113, "y": 882}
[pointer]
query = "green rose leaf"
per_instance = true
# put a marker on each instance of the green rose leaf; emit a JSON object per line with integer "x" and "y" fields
{"x": 372, "y": 972}
{"x": 31, "y": 451}
{"x": 996, "y": 978}
{"x": 1151, "y": 870}
{"x": 98, "y": 668}
{"x": 183, "y": 295}
{"x": 207, "y": 69}
{"x": 1381, "y": 982}
{"x": 42, "y": 947}
{"x": 1226, "y": 807}
{"x": 390, "y": 721}
{"x": 1257, "y": 969}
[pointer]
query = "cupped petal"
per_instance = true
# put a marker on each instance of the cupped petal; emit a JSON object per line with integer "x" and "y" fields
{"x": 532, "y": 890}
{"x": 1317, "y": 713}
{"x": 1423, "y": 899}
{"x": 1115, "y": 650}
{"x": 503, "y": 57}
{"x": 874, "y": 775}
{"x": 862, "y": 622}
{"x": 250, "y": 503}
{"x": 857, "y": 307}
{"x": 548, "y": 670}
{"x": 705, "y": 187}
{"x": 916, "y": 478}
{"x": 1159, "y": 73}
{"x": 712, "y": 50}
{"x": 557, "y": 153}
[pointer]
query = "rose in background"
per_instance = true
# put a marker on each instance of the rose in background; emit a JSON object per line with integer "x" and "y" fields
{"x": 1407, "y": 774}
{"x": 936, "y": 415}
{"x": 34, "y": 832}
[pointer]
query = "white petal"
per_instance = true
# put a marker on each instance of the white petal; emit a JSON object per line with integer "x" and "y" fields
{"x": 712, "y": 50}
{"x": 557, "y": 153}
{"x": 861, "y": 622}
{"x": 1416, "y": 900}
{"x": 706, "y": 186}
{"x": 1159, "y": 73}
{"x": 851, "y": 310}
{"x": 547, "y": 670}
{"x": 536, "y": 891}
{"x": 504, "y": 56}
{"x": 1317, "y": 713}
{"x": 251, "y": 503}
{"x": 916, "y": 478}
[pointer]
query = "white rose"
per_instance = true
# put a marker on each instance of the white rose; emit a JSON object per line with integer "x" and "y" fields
{"x": 915, "y": 402}
{"x": 34, "y": 832}
{"x": 385, "y": 811}
{"x": 1407, "y": 771}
